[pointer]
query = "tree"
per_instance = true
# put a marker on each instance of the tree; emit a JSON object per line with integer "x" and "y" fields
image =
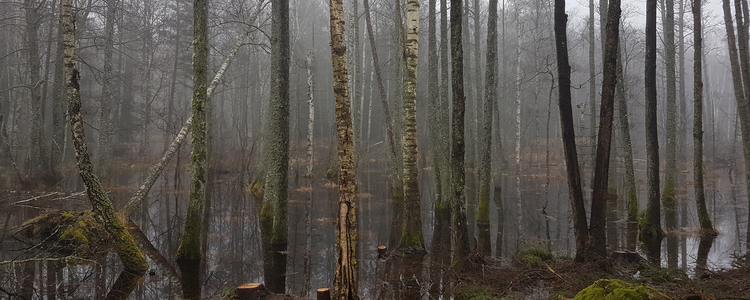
{"x": 458, "y": 178}
{"x": 131, "y": 257}
{"x": 632, "y": 195}
{"x": 490, "y": 96}
{"x": 739, "y": 82}
{"x": 276, "y": 145}
{"x": 37, "y": 159}
{"x": 651, "y": 232}
{"x": 189, "y": 253}
{"x": 700, "y": 197}
{"x": 345, "y": 278}
{"x": 580, "y": 228}
{"x": 105, "y": 116}
{"x": 670, "y": 174}
{"x": 598, "y": 226}
{"x": 412, "y": 236}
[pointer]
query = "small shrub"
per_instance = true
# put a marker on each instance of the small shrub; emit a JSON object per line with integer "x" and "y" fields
{"x": 536, "y": 257}
{"x": 475, "y": 292}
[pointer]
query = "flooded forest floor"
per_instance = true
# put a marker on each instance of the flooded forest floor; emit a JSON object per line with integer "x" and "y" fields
{"x": 68, "y": 255}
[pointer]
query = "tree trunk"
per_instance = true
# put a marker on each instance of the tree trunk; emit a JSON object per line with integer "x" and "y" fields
{"x": 345, "y": 279}
{"x": 458, "y": 207}
{"x": 581, "y": 230}
{"x": 37, "y": 160}
{"x": 106, "y": 129}
{"x": 651, "y": 232}
{"x": 592, "y": 82}
{"x": 632, "y": 195}
{"x": 189, "y": 251}
{"x": 131, "y": 257}
{"x": 670, "y": 174}
{"x": 490, "y": 97}
{"x": 604, "y": 140}
{"x": 700, "y": 197}
{"x": 412, "y": 236}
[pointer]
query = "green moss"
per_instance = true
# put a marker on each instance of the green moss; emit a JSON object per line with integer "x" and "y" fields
{"x": 476, "y": 292}
{"x": 669, "y": 191}
{"x": 614, "y": 289}
{"x": 74, "y": 234}
{"x": 536, "y": 257}
{"x": 230, "y": 294}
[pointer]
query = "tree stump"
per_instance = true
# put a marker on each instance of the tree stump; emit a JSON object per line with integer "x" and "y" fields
{"x": 324, "y": 294}
{"x": 252, "y": 291}
{"x": 382, "y": 251}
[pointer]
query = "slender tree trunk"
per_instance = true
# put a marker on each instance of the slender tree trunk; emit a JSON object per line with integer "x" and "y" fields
{"x": 670, "y": 174}
{"x": 381, "y": 89}
{"x": 742, "y": 39}
{"x": 632, "y": 195}
{"x": 651, "y": 232}
{"x": 131, "y": 257}
{"x": 490, "y": 97}
{"x": 38, "y": 162}
{"x": 458, "y": 207}
{"x": 700, "y": 197}
{"x": 517, "y": 161}
{"x": 581, "y": 230}
{"x": 592, "y": 81}
{"x": 412, "y": 236}
{"x": 189, "y": 252}
{"x": 105, "y": 116}
{"x": 345, "y": 280}
{"x": 444, "y": 113}
{"x": 58, "y": 105}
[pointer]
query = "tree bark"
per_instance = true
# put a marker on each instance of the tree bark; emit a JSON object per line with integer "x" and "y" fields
{"x": 458, "y": 181}
{"x": 490, "y": 97}
{"x": 345, "y": 279}
{"x": 651, "y": 232}
{"x": 632, "y": 195}
{"x": 700, "y": 197}
{"x": 670, "y": 174}
{"x": 412, "y": 236}
{"x": 604, "y": 140}
{"x": 189, "y": 250}
{"x": 580, "y": 225}
{"x": 131, "y": 257}
{"x": 106, "y": 129}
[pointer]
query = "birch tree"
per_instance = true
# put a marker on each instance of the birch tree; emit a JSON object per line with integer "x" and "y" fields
{"x": 412, "y": 236}
{"x": 345, "y": 278}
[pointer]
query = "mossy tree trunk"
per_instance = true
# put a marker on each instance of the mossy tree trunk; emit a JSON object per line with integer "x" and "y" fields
{"x": 592, "y": 80}
{"x": 700, "y": 197}
{"x": 490, "y": 96}
{"x": 189, "y": 251}
{"x": 131, "y": 257}
{"x": 651, "y": 232}
{"x": 741, "y": 12}
{"x": 276, "y": 149}
{"x": 670, "y": 172}
{"x": 412, "y": 236}
{"x": 598, "y": 225}
{"x": 458, "y": 179}
{"x": 345, "y": 278}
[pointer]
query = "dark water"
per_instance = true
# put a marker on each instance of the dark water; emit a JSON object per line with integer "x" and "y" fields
{"x": 235, "y": 253}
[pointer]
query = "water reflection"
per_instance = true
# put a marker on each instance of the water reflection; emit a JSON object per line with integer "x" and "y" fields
{"x": 235, "y": 255}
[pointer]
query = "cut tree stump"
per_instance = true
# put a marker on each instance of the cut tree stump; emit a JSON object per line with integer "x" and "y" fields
{"x": 324, "y": 294}
{"x": 252, "y": 291}
{"x": 382, "y": 251}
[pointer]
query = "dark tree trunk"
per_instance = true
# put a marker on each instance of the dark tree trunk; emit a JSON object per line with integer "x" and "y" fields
{"x": 598, "y": 248}
{"x": 581, "y": 230}
{"x": 651, "y": 232}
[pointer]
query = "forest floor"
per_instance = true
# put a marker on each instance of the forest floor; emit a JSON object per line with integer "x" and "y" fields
{"x": 563, "y": 279}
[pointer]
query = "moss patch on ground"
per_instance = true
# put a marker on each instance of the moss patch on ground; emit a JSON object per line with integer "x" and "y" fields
{"x": 615, "y": 289}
